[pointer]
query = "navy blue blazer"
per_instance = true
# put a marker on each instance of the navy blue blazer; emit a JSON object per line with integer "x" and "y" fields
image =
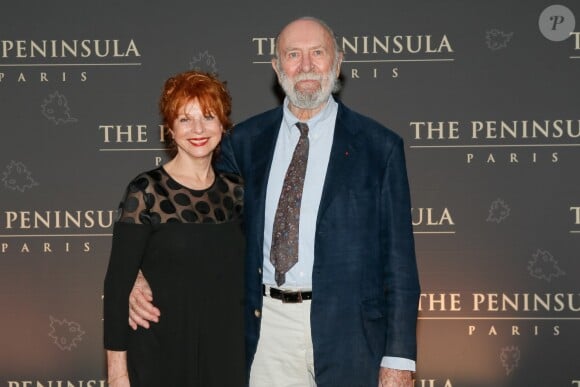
{"x": 365, "y": 286}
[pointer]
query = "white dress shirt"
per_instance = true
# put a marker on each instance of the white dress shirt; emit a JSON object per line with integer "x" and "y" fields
{"x": 320, "y": 136}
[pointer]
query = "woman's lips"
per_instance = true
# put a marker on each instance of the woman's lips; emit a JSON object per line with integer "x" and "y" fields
{"x": 198, "y": 141}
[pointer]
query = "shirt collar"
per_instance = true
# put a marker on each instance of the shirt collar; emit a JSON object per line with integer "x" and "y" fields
{"x": 290, "y": 119}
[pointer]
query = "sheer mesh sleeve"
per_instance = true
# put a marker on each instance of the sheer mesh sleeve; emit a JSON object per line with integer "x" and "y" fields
{"x": 135, "y": 207}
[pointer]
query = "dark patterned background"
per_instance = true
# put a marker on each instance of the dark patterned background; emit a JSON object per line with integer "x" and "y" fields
{"x": 484, "y": 94}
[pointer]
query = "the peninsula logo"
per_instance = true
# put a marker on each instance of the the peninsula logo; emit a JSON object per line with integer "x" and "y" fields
{"x": 366, "y": 55}
{"x": 114, "y": 134}
{"x": 430, "y": 220}
{"x": 62, "y": 49}
{"x": 56, "y": 220}
{"x": 499, "y": 303}
{"x": 486, "y": 313}
{"x": 493, "y": 142}
{"x": 134, "y": 137}
{"x": 53, "y": 231}
{"x": 62, "y": 61}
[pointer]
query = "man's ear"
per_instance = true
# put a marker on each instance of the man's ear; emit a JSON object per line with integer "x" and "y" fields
{"x": 339, "y": 63}
{"x": 275, "y": 66}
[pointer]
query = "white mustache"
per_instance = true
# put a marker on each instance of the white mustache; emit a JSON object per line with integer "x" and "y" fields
{"x": 309, "y": 77}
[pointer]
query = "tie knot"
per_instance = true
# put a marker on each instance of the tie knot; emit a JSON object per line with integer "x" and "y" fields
{"x": 303, "y": 127}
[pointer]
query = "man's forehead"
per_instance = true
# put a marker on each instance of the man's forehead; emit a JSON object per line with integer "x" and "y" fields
{"x": 304, "y": 33}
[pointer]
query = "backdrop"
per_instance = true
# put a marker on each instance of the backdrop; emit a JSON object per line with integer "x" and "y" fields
{"x": 484, "y": 93}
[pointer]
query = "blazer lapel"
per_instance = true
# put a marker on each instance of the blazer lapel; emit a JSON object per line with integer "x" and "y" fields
{"x": 343, "y": 156}
{"x": 262, "y": 153}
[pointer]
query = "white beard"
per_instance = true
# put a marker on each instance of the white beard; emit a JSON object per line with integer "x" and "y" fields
{"x": 310, "y": 99}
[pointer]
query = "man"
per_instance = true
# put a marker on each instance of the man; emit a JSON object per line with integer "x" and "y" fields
{"x": 345, "y": 313}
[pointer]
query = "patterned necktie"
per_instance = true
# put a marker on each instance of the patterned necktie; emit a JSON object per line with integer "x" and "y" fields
{"x": 284, "y": 250}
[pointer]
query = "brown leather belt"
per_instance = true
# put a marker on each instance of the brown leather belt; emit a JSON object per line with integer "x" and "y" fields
{"x": 288, "y": 296}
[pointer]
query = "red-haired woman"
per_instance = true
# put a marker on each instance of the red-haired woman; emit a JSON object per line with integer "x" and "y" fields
{"x": 180, "y": 224}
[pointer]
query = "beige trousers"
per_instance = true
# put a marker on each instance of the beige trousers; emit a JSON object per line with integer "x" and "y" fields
{"x": 284, "y": 357}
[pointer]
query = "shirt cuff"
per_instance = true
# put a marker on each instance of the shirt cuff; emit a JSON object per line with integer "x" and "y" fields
{"x": 398, "y": 363}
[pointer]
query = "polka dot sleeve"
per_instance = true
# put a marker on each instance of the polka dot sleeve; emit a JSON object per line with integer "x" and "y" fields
{"x": 135, "y": 206}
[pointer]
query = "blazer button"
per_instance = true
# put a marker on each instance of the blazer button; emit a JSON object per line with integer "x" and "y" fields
{"x": 257, "y": 313}
{"x": 259, "y": 270}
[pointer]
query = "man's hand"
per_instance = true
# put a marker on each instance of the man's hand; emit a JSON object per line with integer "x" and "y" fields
{"x": 389, "y": 377}
{"x": 141, "y": 308}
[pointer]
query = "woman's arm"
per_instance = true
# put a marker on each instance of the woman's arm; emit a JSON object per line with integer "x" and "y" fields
{"x": 117, "y": 372}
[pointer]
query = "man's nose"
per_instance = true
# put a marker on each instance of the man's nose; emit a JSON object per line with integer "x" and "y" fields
{"x": 306, "y": 63}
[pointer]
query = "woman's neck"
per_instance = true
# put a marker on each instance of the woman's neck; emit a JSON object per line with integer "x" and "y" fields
{"x": 190, "y": 172}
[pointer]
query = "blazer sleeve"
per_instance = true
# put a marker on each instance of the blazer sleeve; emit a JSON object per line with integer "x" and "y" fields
{"x": 226, "y": 160}
{"x": 400, "y": 267}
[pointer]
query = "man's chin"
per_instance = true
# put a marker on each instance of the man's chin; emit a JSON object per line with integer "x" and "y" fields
{"x": 308, "y": 86}
{"x": 308, "y": 96}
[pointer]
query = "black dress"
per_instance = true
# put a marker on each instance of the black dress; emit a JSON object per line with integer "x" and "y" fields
{"x": 190, "y": 247}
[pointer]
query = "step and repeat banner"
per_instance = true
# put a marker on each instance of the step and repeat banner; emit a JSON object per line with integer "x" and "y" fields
{"x": 485, "y": 95}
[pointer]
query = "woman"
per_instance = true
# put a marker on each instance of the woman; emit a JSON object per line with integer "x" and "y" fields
{"x": 180, "y": 224}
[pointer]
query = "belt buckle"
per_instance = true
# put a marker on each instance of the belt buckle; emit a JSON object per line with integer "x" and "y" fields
{"x": 291, "y": 297}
